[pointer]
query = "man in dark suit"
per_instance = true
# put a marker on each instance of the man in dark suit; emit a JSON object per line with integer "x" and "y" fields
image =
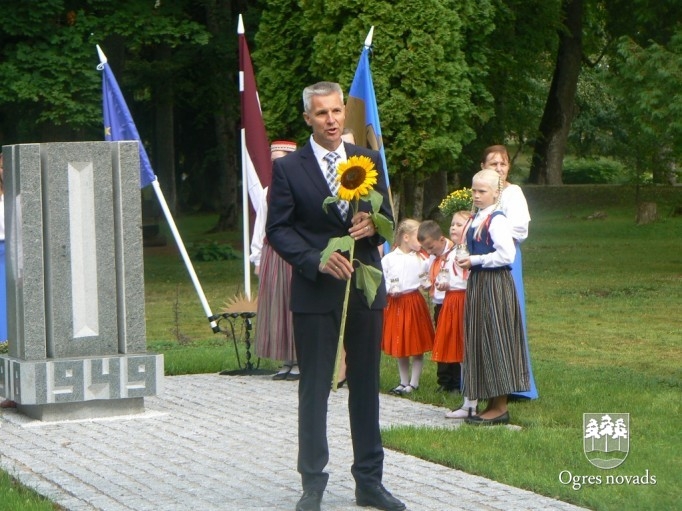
{"x": 299, "y": 230}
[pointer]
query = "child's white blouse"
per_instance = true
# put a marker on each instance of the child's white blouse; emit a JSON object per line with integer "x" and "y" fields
{"x": 406, "y": 267}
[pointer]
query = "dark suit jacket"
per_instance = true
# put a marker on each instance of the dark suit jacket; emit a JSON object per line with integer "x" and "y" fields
{"x": 299, "y": 230}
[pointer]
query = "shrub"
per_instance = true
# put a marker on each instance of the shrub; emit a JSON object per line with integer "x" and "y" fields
{"x": 212, "y": 251}
{"x": 593, "y": 171}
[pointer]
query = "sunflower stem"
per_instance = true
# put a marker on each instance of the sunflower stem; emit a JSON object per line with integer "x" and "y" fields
{"x": 342, "y": 331}
{"x": 344, "y": 311}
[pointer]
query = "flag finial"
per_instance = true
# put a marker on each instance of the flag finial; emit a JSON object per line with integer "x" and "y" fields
{"x": 368, "y": 40}
{"x": 102, "y": 57}
{"x": 240, "y": 25}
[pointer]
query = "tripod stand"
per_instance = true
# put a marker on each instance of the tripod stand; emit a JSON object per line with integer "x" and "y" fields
{"x": 248, "y": 368}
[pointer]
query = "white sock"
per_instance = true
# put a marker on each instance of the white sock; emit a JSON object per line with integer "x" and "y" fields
{"x": 404, "y": 370}
{"x": 417, "y": 367}
{"x": 470, "y": 403}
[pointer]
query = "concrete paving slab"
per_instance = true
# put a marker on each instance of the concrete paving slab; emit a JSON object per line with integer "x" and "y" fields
{"x": 216, "y": 442}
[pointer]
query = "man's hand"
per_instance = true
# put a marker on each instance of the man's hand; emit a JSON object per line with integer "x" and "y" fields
{"x": 363, "y": 227}
{"x": 337, "y": 266}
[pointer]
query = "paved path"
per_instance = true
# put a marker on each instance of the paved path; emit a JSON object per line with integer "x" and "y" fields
{"x": 211, "y": 442}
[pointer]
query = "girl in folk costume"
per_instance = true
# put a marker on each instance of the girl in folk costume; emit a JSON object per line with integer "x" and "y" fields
{"x": 448, "y": 345}
{"x": 408, "y": 331}
{"x": 514, "y": 206}
{"x": 495, "y": 362}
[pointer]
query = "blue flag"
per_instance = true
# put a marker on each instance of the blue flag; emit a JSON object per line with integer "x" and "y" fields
{"x": 362, "y": 114}
{"x": 118, "y": 123}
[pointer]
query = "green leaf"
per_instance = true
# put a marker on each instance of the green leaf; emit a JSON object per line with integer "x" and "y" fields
{"x": 329, "y": 200}
{"x": 368, "y": 280}
{"x": 384, "y": 226}
{"x": 343, "y": 244}
{"x": 374, "y": 198}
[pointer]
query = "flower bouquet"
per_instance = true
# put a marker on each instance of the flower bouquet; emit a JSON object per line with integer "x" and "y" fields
{"x": 459, "y": 200}
{"x": 357, "y": 177}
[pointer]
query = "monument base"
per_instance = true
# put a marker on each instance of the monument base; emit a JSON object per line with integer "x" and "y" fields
{"x": 83, "y": 387}
{"x": 96, "y": 409}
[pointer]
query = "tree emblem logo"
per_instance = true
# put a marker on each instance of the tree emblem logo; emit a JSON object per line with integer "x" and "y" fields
{"x": 606, "y": 438}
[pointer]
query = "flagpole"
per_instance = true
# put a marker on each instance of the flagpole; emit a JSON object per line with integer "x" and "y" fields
{"x": 166, "y": 211}
{"x": 367, "y": 48}
{"x": 185, "y": 257}
{"x": 245, "y": 220}
{"x": 245, "y": 188}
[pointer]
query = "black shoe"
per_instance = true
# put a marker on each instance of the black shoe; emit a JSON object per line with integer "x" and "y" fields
{"x": 310, "y": 501}
{"x": 476, "y": 420}
{"x": 293, "y": 376}
{"x": 378, "y": 497}
{"x": 283, "y": 373}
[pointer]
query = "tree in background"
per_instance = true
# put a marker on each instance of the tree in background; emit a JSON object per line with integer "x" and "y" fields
{"x": 281, "y": 56}
{"x": 647, "y": 80}
{"x": 552, "y": 139}
{"x": 451, "y": 77}
{"x": 607, "y": 22}
{"x": 51, "y": 90}
{"x": 513, "y": 65}
{"x": 422, "y": 79}
{"x": 44, "y": 94}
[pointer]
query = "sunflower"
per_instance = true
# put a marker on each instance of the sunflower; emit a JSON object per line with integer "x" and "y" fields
{"x": 357, "y": 177}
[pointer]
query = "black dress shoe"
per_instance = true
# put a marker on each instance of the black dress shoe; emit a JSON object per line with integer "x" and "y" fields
{"x": 309, "y": 501}
{"x": 378, "y": 497}
{"x": 293, "y": 376}
{"x": 477, "y": 420}
{"x": 282, "y": 374}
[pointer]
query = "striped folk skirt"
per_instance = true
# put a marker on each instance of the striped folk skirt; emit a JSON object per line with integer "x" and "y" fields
{"x": 495, "y": 361}
{"x": 408, "y": 330}
{"x": 274, "y": 337}
{"x": 448, "y": 345}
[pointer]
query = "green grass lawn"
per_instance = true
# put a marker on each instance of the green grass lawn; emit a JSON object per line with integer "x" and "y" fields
{"x": 604, "y": 306}
{"x": 604, "y": 303}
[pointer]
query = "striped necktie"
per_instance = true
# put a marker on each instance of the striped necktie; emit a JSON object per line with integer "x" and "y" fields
{"x": 330, "y": 175}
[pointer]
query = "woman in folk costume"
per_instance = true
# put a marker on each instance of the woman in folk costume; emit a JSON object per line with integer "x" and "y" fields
{"x": 495, "y": 362}
{"x": 274, "y": 337}
{"x": 407, "y": 331}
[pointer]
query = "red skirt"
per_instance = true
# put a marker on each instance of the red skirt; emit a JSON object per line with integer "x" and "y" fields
{"x": 408, "y": 330}
{"x": 448, "y": 346}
